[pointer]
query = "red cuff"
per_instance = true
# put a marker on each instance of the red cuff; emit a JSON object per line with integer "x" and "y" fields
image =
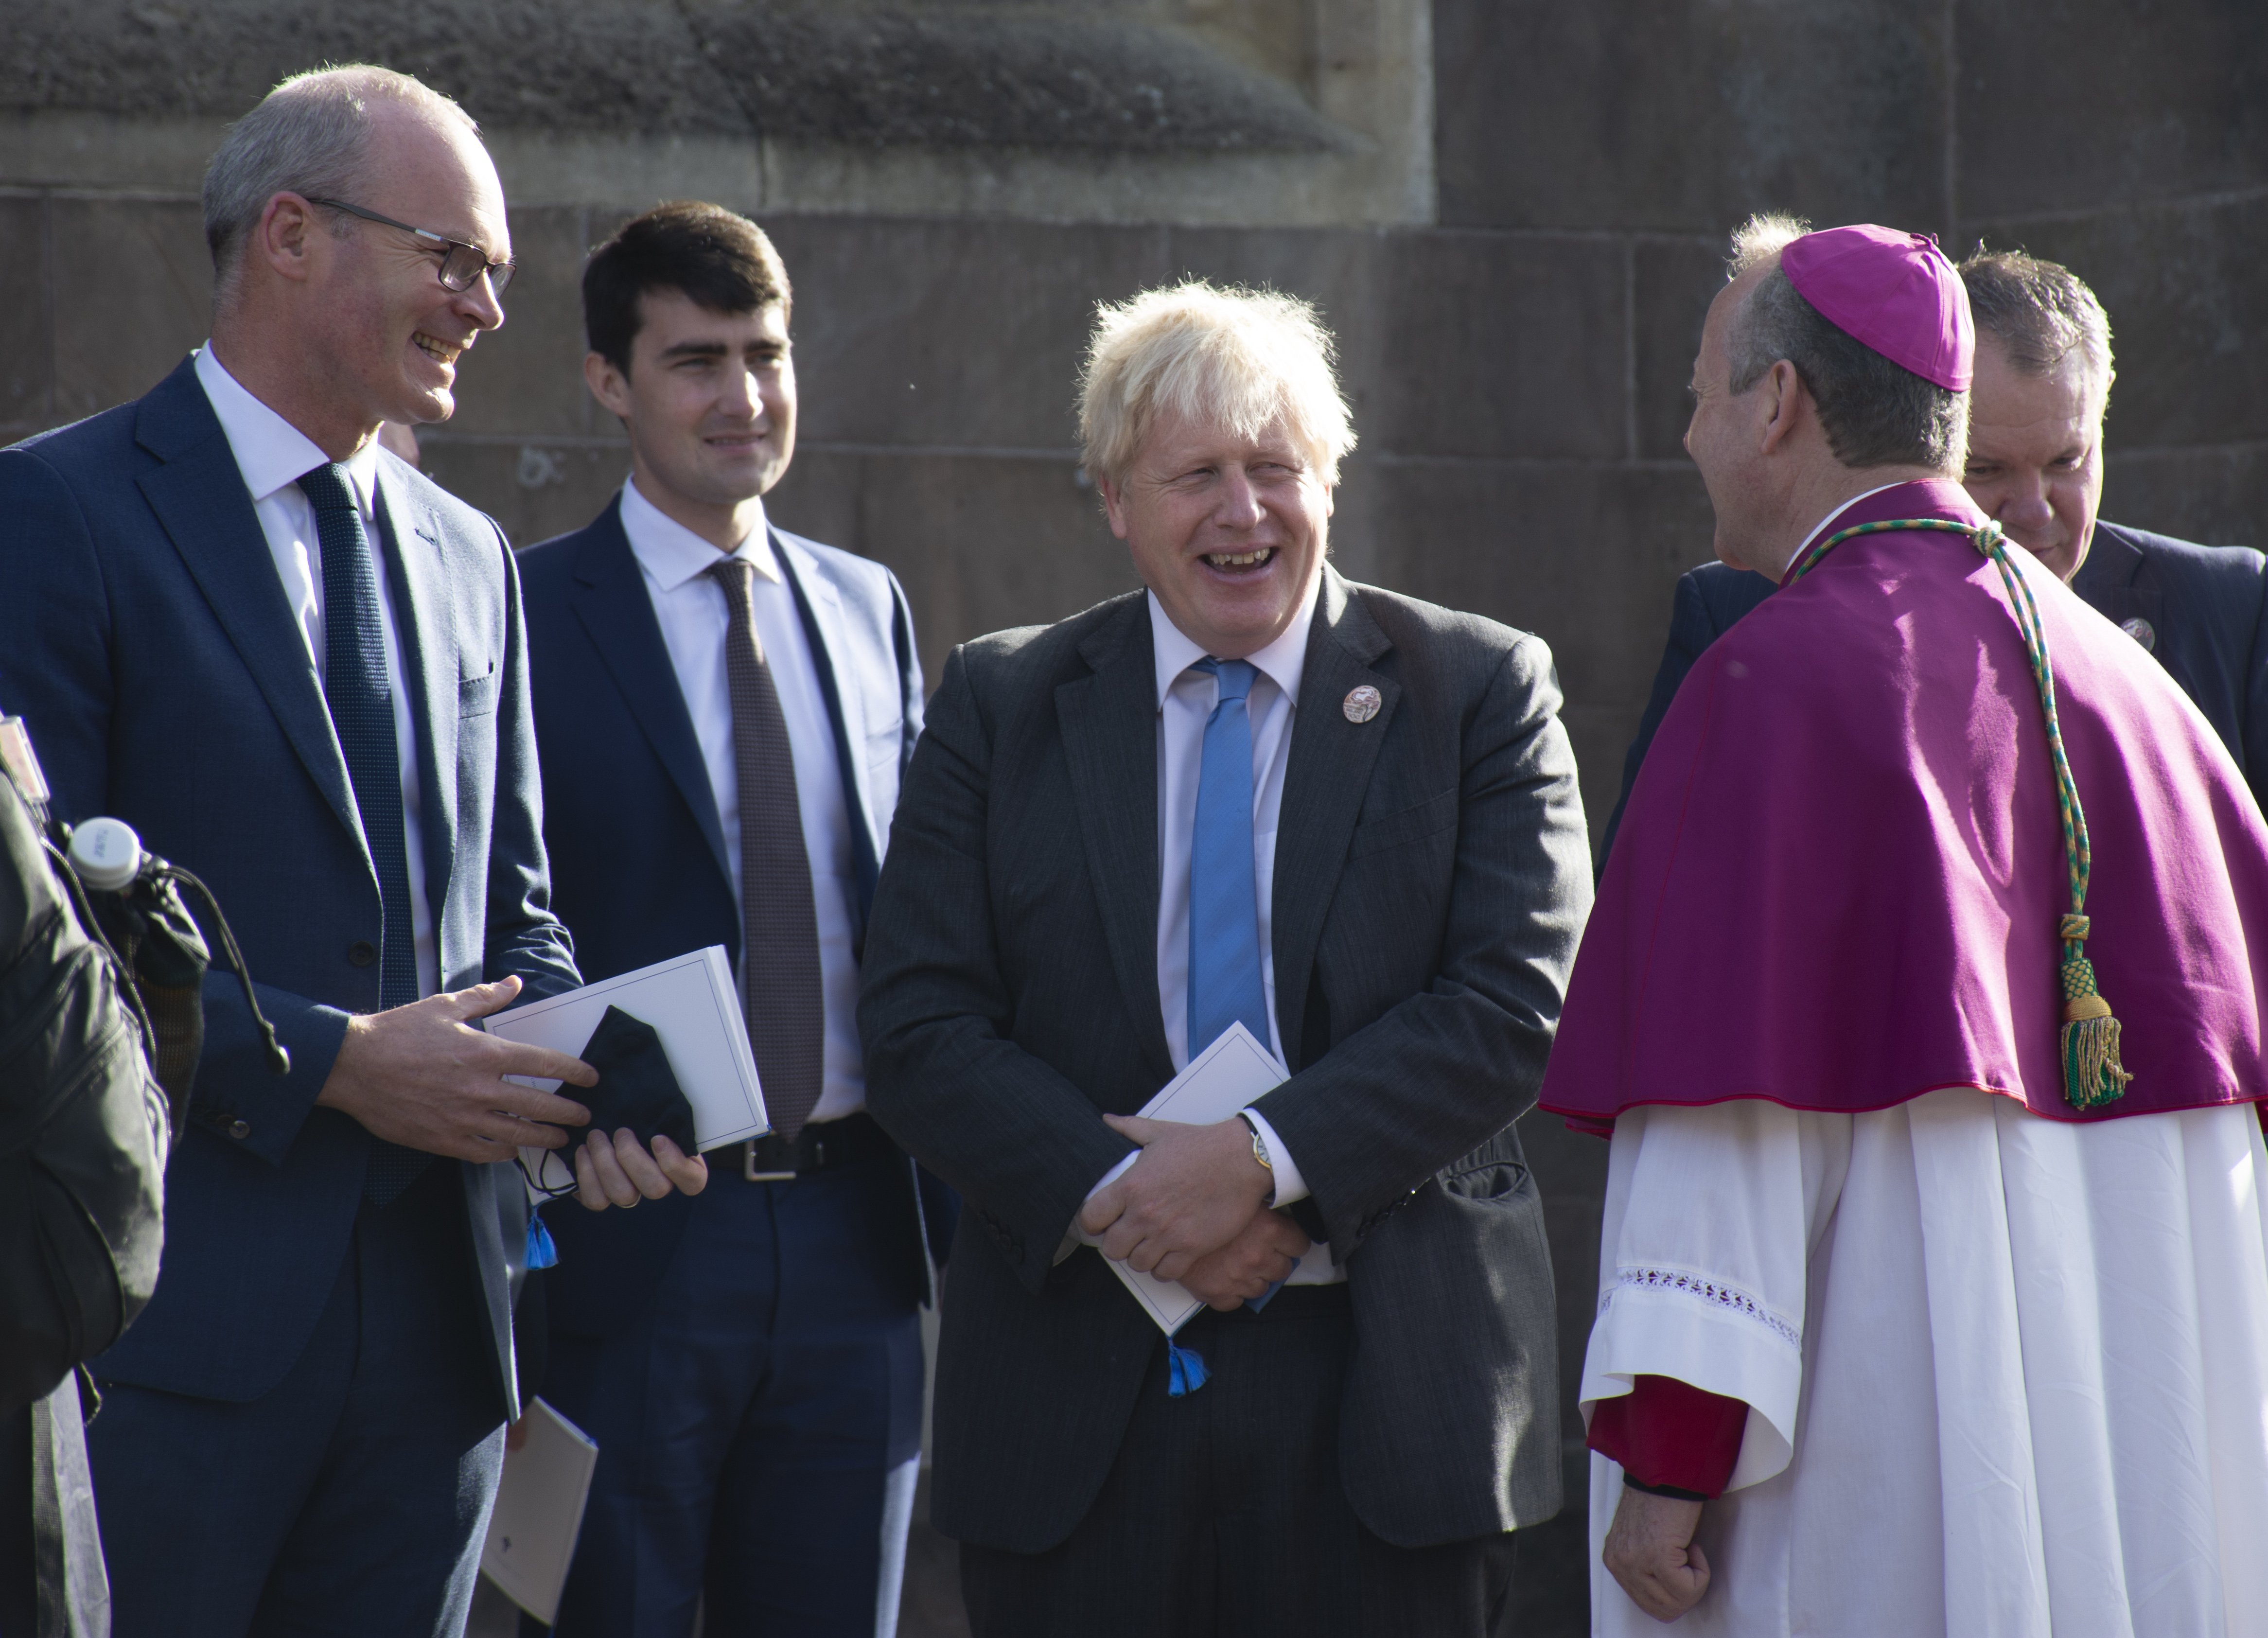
{"x": 1668, "y": 1432}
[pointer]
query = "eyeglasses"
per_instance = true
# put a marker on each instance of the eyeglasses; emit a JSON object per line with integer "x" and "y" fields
{"x": 460, "y": 263}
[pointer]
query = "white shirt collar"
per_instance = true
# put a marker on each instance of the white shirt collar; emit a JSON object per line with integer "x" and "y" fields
{"x": 673, "y": 554}
{"x": 1820, "y": 528}
{"x": 1281, "y": 662}
{"x": 271, "y": 452}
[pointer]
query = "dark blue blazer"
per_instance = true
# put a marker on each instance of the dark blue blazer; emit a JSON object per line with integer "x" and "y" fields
{"x": 146, "y": 638}
{"x": 637, "y": 852}
{"x": 2207, "y": 606}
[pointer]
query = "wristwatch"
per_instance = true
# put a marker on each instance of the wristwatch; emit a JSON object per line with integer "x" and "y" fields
{"x": 1259, "y": 1148}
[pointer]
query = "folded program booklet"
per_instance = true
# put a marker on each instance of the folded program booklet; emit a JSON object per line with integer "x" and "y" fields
{"x": 1235, "y": 1071}
{"x": 539, "y": 1511}
{"x": 694, "y": 1006}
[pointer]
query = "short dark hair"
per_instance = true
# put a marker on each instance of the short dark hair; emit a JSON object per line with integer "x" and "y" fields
{"x": 2039, "y": 311}
{"x": 1874, "y": 413}
{"x": 716, "y": 258}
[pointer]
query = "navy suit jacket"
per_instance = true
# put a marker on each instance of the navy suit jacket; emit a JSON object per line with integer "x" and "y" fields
{"x": 638, "y": 849}
{"x": 146, "y": 638}
{"x": 2207, "y": 608}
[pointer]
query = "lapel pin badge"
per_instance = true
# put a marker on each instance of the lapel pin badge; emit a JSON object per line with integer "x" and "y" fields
{"x": 2141, "y": 631}
{"x": 1361, "y": 703}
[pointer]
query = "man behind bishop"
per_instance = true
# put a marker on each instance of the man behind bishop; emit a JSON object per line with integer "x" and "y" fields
{"x": 1923, "y": 1000}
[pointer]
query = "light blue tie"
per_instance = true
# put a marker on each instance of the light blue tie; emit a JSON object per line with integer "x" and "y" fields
{"x": 1225, "y": 984}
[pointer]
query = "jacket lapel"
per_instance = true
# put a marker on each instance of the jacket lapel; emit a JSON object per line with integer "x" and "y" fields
{"x": 611, "y": 599}
{"x": 1324, "y": 786}
{"x": 1110, "y": 726}
{"x": 411, "y": 539}
{"x": 821, "y": 608}
{"x": 199, "y": 497}
{"x": 2116, "y": 583}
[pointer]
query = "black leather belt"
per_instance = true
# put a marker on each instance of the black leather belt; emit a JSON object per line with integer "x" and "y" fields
{"x": 822, "y": 1146}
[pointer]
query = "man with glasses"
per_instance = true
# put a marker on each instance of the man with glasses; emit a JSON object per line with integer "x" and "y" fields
{"x": 299, "y": 668}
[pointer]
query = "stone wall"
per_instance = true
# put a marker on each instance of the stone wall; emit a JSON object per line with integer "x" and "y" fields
{"x": 1518, "y": 298}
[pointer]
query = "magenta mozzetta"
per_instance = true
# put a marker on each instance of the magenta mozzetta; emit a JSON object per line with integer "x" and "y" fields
{"x": 1841, "y": 878}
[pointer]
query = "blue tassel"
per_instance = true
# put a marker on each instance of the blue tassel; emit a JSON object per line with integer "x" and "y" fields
{"x": 1257, "y": 1303}
{"x": 1185, "y": 1368}
{"x": 540, "y": 1252}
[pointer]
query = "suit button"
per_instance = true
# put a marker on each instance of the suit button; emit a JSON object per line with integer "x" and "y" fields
{"x": 363, "y": 952}
{"x": 240, "y": 1129}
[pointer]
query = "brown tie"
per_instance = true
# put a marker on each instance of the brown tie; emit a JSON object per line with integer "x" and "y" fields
{"x": 780, "y": 988}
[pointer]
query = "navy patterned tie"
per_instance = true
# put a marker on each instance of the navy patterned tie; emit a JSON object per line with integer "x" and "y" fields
{"x": 361, "y": 699}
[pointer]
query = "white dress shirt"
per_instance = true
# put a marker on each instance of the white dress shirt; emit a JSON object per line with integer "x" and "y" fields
{"x": 1186, "y": 698}
{"x": 690, "y": 607}
{"x": 271, "y": 455}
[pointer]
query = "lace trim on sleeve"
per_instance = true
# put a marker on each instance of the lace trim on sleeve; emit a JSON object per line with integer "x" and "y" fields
{"x": 1715, "y": 1293}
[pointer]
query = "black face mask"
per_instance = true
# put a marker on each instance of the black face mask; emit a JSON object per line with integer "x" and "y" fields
{"x": 637, "y": 1088}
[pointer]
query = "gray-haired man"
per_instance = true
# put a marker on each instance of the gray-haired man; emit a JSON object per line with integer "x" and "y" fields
{"x": 299, "y": 668}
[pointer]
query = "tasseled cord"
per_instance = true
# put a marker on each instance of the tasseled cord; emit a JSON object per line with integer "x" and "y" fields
{"x": 541, "y": 1253}
{"x": 2092, "y": 1074}
{"x": 1185, "y": 1370}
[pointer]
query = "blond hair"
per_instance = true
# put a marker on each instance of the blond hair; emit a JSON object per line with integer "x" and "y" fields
{"x": 1241, "y": 358}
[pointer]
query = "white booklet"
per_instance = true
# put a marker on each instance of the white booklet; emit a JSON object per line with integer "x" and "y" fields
{"x": 694, "y": 1007}
{"x": 539, "y": 1512}
{"x": 1232, "y": 1072}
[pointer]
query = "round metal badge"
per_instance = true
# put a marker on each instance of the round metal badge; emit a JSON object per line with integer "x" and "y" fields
{"x": 2141, "y": 631}
{"x": 1362, "y": 703}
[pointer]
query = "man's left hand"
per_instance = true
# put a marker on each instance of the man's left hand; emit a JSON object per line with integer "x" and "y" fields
{"x": 1651, "y": 1553}
{"x": 619, "y": 1171}
{"x": 1192, "y": 1191}
{"x": 1266, "y": 1252}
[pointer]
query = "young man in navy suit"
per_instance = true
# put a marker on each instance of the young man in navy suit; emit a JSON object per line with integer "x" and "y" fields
{"x": 2043, "y": 386}
{"x": 723, "y": 711}
{"x": 299, "y": 669}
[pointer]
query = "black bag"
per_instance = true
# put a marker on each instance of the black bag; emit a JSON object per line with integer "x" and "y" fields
{"x": 84, "y": 1132}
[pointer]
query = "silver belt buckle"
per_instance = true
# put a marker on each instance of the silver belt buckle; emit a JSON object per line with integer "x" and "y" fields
{"x": 748, "y": 1167}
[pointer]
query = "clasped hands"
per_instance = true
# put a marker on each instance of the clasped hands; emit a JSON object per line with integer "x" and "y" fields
{"x": 425, "y": 1077}
{"x": 1194, "y": 1208}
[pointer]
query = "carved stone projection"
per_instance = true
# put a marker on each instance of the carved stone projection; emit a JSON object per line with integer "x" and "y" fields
{"x": 1279, "y": 112}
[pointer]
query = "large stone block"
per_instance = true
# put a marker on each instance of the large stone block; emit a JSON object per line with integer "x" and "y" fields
{"x": 1584, "y": 556}
{"x": 2188, "y": 309}
{"x": 819, "y": 497}
{"x": 1337, "y": 270}
{"x": 1499, "y": 345}
{"x": 526, "y": 379}
{"x": 2078, "y": 104}
{"x": 980, "y": 542}
{"x": 27, "y": 336}
{"x": 141, "y": 296}
{"x": 1675, "y": 280}
{"x": 958, "y": 334}
{"x": 534, "y": 489}
{"x": 1684, "y": 115}
{"x": 2214, "y": 497}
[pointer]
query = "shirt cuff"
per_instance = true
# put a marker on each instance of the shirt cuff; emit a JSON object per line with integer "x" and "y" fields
{"x": 1668, "y": 1433}
{"x": 1290, "y": 1188}
{"x": 1076, "y": 1236}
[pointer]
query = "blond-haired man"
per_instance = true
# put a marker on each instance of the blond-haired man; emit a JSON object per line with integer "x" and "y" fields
{"x": 1252, "y": 793}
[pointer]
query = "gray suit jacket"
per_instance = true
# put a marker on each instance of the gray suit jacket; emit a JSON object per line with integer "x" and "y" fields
{"x": 1431, "y": 879}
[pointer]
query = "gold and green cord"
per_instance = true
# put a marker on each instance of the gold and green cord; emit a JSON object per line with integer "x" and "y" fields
{"x": 2092, "y": 1075}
